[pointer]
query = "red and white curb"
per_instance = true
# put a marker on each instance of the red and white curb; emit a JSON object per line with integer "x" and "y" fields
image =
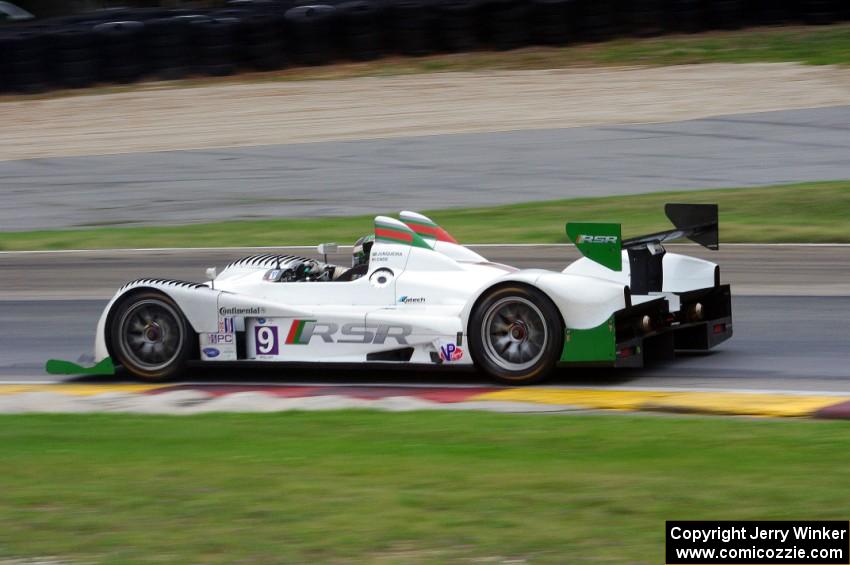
{"x": 197, "y": 398}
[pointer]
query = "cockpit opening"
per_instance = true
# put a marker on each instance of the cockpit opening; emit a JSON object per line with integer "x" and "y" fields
{"x": 311, "y": 270}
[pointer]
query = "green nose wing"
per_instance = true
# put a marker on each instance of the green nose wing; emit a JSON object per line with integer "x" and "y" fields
{"x": 60, "y": 367}
{"x": 598, "y": 242}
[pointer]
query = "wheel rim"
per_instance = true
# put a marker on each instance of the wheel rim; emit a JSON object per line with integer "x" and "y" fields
{"x": 151, "y": 334}
{"x": 515, "y": 333}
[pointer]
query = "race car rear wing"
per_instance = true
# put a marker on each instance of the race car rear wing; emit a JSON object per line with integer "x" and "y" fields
{"x": 603, "y": 243}
{"x": 697, "y": 222}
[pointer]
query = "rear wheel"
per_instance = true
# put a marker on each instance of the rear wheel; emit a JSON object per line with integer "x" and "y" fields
{"x": 516, "y": 335}
{"x": 149, "y": 336}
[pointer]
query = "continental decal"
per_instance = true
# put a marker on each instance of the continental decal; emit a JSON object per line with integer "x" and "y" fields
{"x": 241, "y": 311}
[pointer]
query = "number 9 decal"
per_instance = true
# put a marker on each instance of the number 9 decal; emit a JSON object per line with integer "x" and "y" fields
{"x": 265, "y": 338}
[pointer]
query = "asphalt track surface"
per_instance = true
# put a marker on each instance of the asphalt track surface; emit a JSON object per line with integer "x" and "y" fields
{"x": 790, "y": 334}
{"x": 429, "y": 172}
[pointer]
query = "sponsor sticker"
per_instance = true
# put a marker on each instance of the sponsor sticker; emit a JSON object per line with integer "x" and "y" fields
{"x": 241, "y": 311}
{"x": 450, "y": 353}
{"x": 221, "y": 338}
{"x": 220, "y": 346}
{"x": 287, "y": 337}
{"x": 226, "y": 325}
{"x": 411, "y": 299}
{"x": 303, "y": 332}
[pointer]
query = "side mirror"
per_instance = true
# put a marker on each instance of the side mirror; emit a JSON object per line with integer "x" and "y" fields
{"x": 327, "y": 248}
{"x": 211, "y": 275}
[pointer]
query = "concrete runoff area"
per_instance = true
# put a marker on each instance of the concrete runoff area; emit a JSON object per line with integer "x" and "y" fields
{"x": 426, "y": 172}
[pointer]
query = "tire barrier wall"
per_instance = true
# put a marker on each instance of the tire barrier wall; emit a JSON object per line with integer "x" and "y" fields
{"x": 125, "y": 45}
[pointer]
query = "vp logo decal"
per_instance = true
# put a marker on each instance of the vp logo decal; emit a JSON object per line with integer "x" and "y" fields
{"x": 450, "y": 352}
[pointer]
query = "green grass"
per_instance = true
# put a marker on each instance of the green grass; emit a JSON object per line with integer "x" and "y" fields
{"x": 367, "y": 487}
{"x": 815, "y": 46}
{"x": 810, "y": 212}
{"x": 821, "y": 45}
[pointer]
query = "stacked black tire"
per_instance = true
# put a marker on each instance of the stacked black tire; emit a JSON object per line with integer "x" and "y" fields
{"x": 309, "y": 31}
{"x": 822, "y": 12}
{"x": 212, "y": 41}
{"x": 409, "y": 25}
{"x": 73, "y": 56}
{"x": 126, "y": 45}
{"x": 118, "y": 47}
{"x": 167, "y": 47}
{"x": 23, "y": 62}
{"x": 503, "y": 23}
{"x": 359, "y": 30}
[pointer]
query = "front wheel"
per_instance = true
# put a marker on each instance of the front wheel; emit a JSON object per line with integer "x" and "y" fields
{"x": 516, "y": 335}
{"x": 149, "y": 336}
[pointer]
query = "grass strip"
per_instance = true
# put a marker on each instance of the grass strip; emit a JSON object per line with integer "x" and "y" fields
{"x": 368, "y": 487}
{"x": 796, "y": 213}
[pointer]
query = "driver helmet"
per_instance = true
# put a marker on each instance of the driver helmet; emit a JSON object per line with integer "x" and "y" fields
{"x": 360, "y": 254}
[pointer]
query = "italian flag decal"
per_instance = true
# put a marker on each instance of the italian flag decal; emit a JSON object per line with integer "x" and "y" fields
{"x": 429, "y": 229}
{"x": 398, "y": 233}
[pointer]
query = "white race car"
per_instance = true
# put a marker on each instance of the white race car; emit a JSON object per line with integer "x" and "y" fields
{"x": 414, "y": 296}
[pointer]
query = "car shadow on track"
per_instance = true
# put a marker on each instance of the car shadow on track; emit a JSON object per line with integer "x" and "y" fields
{"x": 376, "y": 375}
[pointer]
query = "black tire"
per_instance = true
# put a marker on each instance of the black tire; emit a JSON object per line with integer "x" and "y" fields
{"x": 149, "y": 336}
{"x": 648, "y": 17}
{"x": 506, "y": 23}
{"x": 530, "y": 326}
{"x": 76, "y": 73}
{"x": 553, "y": 22}
{"x": 309, "y": 32}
